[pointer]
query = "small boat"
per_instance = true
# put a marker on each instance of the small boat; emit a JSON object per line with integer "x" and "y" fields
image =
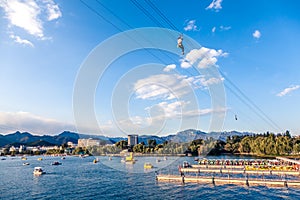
{"x": 56, "y": 163}
{"x": 40, "y": 159}
{"x": 129, "y": 159}
{"x": 95, "y": 160}
{"x": 165, "y": 158}
{"x": 186, "y": 164}
{"x": 38, "y": 171}
{"x": 23, "y": 158}
{"x": 26, "y": 163}
{"x": 157, "y": 160}
{"x": 148, "y": 166}
{"x": 109, "y": 158}
{"x": 63, "y": 158}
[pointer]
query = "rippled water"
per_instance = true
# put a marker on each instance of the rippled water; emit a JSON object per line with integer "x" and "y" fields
{"x": 81, "y": 179}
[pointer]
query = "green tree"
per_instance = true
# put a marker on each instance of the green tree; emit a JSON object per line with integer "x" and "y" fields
{"x": 151, "y": 143}
{"x": 123, "y": 144}
{"x": 245, "y": 145}
{"x": 139, "y": 148}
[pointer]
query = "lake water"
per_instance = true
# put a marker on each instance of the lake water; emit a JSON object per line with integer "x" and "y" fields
{"x": 80, "y": 178}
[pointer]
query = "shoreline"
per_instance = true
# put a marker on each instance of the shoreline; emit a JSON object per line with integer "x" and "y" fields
{"x": 164, "y": 155}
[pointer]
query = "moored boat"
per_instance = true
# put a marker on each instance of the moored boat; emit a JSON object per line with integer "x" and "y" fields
{"x": 129, "y": 159}
{"x": 56, "y": 163}
{"x": 38, "y": 171}
{"x": 148, "y": 165}
{"x": 186, "y": 164}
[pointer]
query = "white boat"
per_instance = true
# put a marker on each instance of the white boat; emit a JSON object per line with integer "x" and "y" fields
{"x": 38, "y": 171}
{"x": 26, "y": 163}
{"x": 186, "y": 164}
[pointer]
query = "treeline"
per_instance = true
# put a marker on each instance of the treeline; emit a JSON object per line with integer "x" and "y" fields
{"x": 259, "y": 144}
{"x": 209, "y": 146}
{"x": 264, "y": 144}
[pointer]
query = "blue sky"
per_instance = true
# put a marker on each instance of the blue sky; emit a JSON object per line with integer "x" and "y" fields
{"x": 253, "y": 45}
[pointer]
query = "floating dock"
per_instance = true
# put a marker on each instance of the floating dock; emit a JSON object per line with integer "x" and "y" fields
{"x": 221, "y": 181}
{"x": 297, "y": 162}
{"x": 218, "y": 166}
{"x": 236, "y": 171}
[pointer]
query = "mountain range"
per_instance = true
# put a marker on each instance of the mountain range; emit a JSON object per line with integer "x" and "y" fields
{"x": 25, "y": 138}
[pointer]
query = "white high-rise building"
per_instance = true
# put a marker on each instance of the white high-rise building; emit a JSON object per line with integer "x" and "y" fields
{"x": 88, "y": 142}
{"x": 133, "y": 140}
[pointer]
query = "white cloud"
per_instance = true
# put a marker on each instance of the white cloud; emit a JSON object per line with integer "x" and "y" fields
{"x": 191, "y": 26}
{"x": 169, "y": 99}
{"x": 185, "y": 64}
{"x": 29, "y": 14}
{"x": 162, "y": 86}
{"x": 204, "y": 82}
{"x": 256, "y": 34}
{"x": 169, "y": 68}
{"x": 207, "y": 57}
{"x": 19, "y": 40}
{"x": 24, "y": 15}
{"x": 201, "y": 112}
{"x": 25, "y": 121}
{"x": 141, "y": 121}
{"x": 215, "y": 5}
{"x": 288, "y": 90}
{"x": 213, "y": 29}
{"x": 171, "y": 86}
{"x": 225, "y": 28}
{"x": 52, "y": 10}
{"x": 172, "y": 109}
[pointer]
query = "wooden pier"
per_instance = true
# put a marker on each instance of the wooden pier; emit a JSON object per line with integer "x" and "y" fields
{"x": 237, "y": 171}
{"x": 218, "y": 166}
{"x": 220, "y": 181}
{"x": 288, "y": 160}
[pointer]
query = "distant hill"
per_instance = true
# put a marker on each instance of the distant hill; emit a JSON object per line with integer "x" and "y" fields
{"x": 145, "y": 138}
{"x": 34, "y": 140}
{"x": 189, "y": 135}
{"x": 3, "y": 141}
{"x": 67, "y": 136}
{"x": 40, "y": 143}
{"x": 24, "y": 137}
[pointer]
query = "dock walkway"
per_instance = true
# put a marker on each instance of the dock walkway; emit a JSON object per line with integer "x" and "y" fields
{"x": 237, "y": 171}
{"x": 220, "y": 181}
